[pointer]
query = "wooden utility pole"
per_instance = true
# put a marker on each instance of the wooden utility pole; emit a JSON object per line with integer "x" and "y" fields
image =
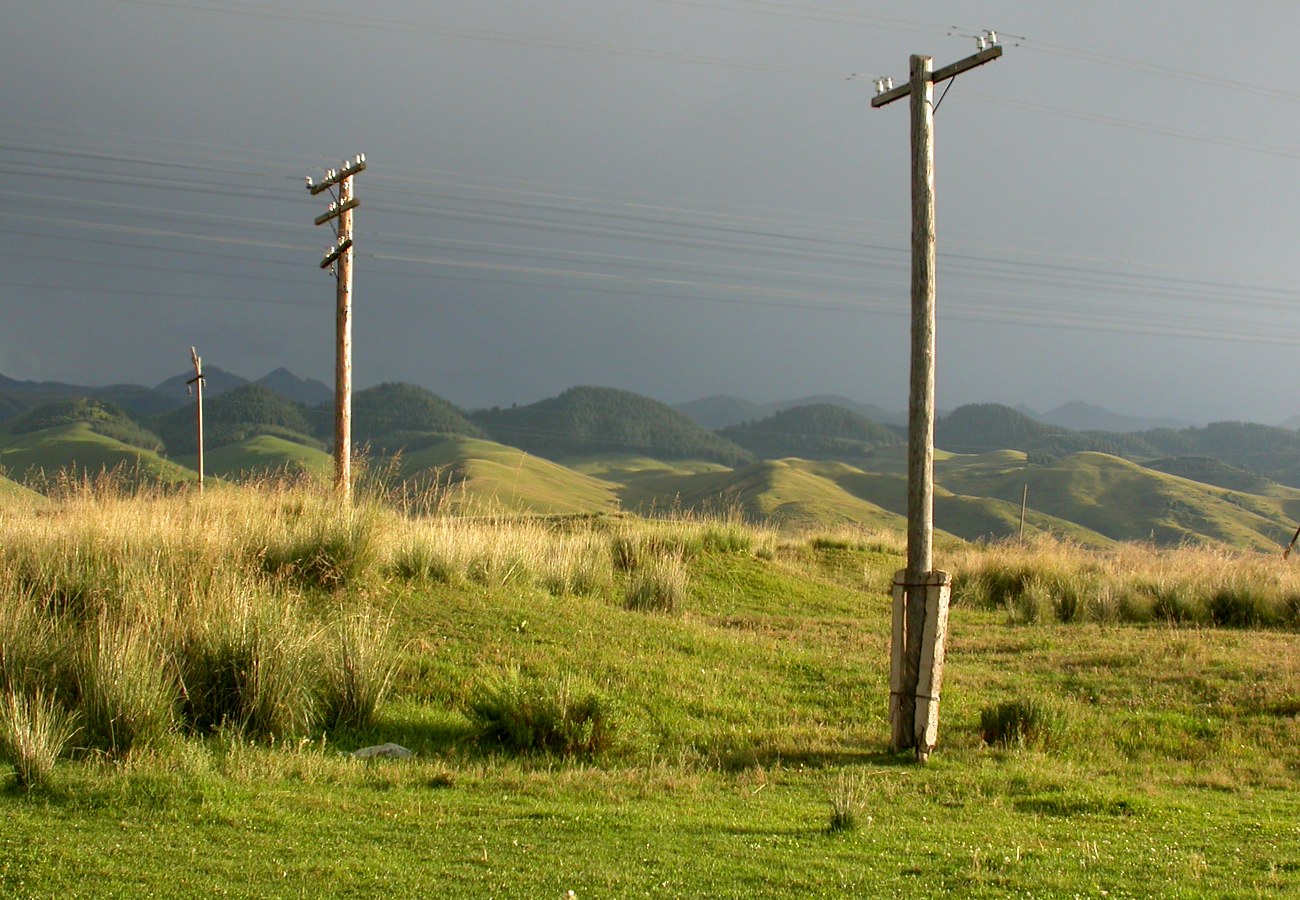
{"x": 921, "y": 594}
{"x": 197, "y": 381}
{"x": 1024, "y": 504}
{"x": 340, "y": 257}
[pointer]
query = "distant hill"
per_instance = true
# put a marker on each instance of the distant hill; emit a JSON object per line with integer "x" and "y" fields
{"x": 987, "y": 427}
{"x": 590, "y": 420}
{"x": 307, "y": 391}
{"x": 102, "y": 417}
{"x": 392, "y": 416}
{"x": 1263, "y": 449}
{"x": 233, "y": 416}
{"x": 1123, "y": 500}
{"x": 77, "y": 447}
{"x": 18, "y": 396}
{"x": 260, "y": 455}
{"x": 216, "y": 381}
{"x": 819, "y": 431}
{"x": 984, "y": 427}
{"x": 1079, "y": 416}
{"x": 720, "y": 411}
{"x": 1208, "y": 470}
{"x": 476, "y": 476}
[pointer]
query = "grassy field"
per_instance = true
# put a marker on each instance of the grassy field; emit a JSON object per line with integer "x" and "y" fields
{"x": 617, "y": 706}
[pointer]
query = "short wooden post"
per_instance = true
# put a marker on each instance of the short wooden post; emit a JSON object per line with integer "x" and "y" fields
{"x": 918, "y": 647}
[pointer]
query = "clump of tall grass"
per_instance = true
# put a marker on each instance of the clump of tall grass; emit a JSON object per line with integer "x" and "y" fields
{"x": 31, "y": 646}
{"x": 496, "y": 553}
{"x": 659, "y": 586}
{"x": 125, "y": 685}
{"x": 357, "y": 670}
{"x": 1022, "y": 723}
{"x": 542, "y": 716}
{"x": 34, "y": 731}
{"x": 848, "y": 804}
{"x": 316, "y": 542}
{"x": 247, "y": 665}
{"x": 1054, "y": 581}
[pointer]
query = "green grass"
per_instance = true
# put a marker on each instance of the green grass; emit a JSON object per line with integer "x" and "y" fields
{"x": 262, "y": 455}
{"x": 484, "y": 477}
{"x": 706, "y": 752}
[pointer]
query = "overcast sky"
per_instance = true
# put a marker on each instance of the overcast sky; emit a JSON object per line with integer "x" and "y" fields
{"x": 676, "y": 197}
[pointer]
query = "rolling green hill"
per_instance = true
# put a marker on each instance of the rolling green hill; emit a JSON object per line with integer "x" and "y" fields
{"x": 78, "y": 447}
{"x": 260, "y": 455}
{"x": 987, "y": 427}
{"x": 590, "y": 420}
{"x": 819, "y": 431}
{"x": 391, "y": 416}
{"x": 1208, "y": 470}
{"x": 102, "y": 417}
{"x": 232, "y": 417}
{"x": 1125, "y": 501}
{"x": 479, "y": 476}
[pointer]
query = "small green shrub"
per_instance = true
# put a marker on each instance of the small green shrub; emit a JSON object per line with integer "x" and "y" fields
{"x": 1022, "y": 723}
{"x": 532, "y": 716}
{"x": 34, "y": 730}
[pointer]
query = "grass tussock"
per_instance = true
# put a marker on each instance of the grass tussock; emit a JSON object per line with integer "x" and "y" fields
{"x": 847, "y": 804}
{"x": 128, "y": 696}
{"x": 1023, "y": 723}
{"x": 34, "y": 731}
{"x": 358, "y": 670}
{"x": 1053, "y": 581}
{"x": 536, "y": 715}
{"x": 658, "y": 586}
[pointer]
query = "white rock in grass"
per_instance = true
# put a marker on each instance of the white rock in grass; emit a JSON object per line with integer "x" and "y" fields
{"x": 382, "y": 751}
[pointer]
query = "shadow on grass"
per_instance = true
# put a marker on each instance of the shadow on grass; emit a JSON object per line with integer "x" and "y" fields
{"x": 749, "y": 758}
{"x": 423, "y": 732}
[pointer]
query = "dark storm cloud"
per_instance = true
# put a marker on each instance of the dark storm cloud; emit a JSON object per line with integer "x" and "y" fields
{"x": 676, "y": 198}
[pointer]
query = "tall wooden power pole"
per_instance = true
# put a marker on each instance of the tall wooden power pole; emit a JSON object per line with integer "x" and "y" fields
{"x": 921, "y": 594}
{"x": 197, "y": 381}
{"x": 340, "y": 256}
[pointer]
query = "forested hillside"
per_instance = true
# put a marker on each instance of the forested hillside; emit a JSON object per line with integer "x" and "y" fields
{"x": 591, "y": 420}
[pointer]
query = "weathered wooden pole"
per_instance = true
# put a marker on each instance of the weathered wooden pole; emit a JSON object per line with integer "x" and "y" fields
{"x": 920, "y": 595}
{"x": 197, "y": 381}
{"x": 340, "y": 256}
{"x": 343, "y": 355}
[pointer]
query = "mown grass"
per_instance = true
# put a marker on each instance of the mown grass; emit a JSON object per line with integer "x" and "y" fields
{"x": 735, "y": 745}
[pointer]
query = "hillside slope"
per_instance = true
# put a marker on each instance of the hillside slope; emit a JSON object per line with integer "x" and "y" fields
{"x": 482, "y": 477}
{"x": 77, "y": 447}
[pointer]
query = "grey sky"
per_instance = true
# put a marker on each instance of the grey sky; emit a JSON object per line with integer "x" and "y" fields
{"x": 678, "y": 197}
